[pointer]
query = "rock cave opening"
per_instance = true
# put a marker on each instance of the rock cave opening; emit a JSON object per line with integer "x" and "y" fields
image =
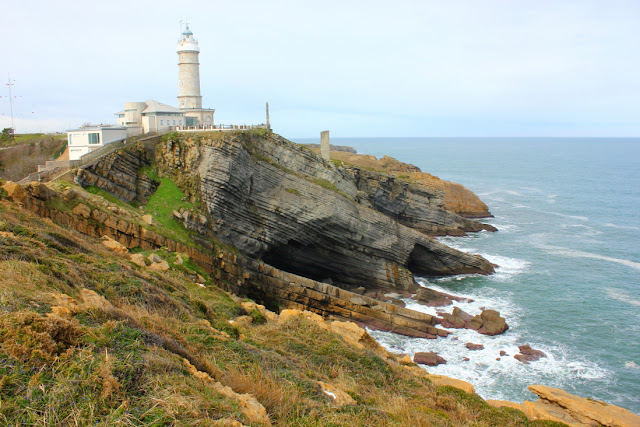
{"x": 300, "y": 259}
{"x": 423, "y": 262}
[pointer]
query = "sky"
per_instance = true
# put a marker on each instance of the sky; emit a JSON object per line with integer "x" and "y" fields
{"x": 441, "y": 68}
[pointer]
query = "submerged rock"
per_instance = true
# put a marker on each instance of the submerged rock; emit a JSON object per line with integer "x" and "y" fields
{"x": 432, "y": 298}
{"x": 472, "y": 346}
{"x": 489, "y": 322}
{"x": 528, "y": 354}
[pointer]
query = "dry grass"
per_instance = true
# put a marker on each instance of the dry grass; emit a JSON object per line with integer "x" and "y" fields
{"x": 123, "y": 363}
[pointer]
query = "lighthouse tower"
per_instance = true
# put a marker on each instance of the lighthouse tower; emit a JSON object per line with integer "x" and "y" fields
{"x": 189, "y": 98}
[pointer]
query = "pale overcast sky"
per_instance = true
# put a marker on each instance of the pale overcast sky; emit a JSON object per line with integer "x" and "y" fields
{"x": 358, "y": 68}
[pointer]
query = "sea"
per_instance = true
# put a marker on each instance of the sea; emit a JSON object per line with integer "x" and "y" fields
{"x": 568, "y": 251}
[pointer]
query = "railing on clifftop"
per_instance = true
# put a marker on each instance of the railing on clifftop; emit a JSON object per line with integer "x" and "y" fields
{"x": 218, "y": 128}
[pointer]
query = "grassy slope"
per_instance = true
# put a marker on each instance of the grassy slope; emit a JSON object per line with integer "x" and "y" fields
{"x": 122, "y": 361}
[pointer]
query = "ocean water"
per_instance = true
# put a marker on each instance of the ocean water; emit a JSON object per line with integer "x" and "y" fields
{"x": 568, "y": 250}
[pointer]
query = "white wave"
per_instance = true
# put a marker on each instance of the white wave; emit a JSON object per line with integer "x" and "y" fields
{"x": 507, "y": 228}
{"x": 630, "y": 364}
{"x": 623, "y": 227}
{"x": 573, "y": 253}
{"x": 623, "y": 296}
{"x": 589, "y": 231}
{"x": 492, "y": 375}
{"x": 507, "y": 266}
{"x": 473, "y": 302}
{"x": 578, "y": 217}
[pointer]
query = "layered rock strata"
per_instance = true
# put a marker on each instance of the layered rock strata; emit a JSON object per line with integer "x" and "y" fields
{"x": 281, "y": 203}
{"x": 452, "y": 196}
{"x": 557, "y": 405}
{"x": 239, "y": 274}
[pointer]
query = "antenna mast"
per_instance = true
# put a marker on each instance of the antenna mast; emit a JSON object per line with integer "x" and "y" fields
{"x": 11, "y": 103}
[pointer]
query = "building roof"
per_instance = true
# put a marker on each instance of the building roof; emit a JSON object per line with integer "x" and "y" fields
{"x": 159, "y": 107}
{"x": 120, "y": 112}
{"x": 98, "y": 127}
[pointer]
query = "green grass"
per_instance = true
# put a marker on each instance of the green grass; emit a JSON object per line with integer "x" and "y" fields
{"x": 328, "y": 185}
{"x": 167, "y": 198}
{"x": 107, "y": 196}
{"x": 293, "y": 191}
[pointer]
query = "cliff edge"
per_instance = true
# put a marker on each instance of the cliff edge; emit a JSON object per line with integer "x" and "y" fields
{"x": 281, "y": 203}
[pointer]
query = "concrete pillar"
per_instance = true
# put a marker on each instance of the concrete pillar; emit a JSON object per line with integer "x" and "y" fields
{"x": 325, "y": 146}
{"x": 268, "y": 123}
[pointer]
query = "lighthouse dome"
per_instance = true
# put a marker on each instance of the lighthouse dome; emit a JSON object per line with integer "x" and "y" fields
{"x": 188, "y": 43}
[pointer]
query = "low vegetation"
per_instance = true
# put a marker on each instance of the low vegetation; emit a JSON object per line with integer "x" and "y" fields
{"x": 88, "y": 337}
{"x": 21, "y": 156}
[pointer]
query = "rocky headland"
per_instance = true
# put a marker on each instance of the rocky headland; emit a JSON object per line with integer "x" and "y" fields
{"x": 260, "y": 217}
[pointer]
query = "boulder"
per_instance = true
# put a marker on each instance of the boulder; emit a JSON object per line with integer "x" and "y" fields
{"x": 528, "y": 354}
{"x": 432, "y": 298}
{"x": 147, "y": 219}
{"x": 40, "y": 191}
{"x": 337, "y": 396}
{"x": 14, "y": 191}
{"x": 428, "y": 358}
{"x": 405, "y": 360}
{"x": 115, "y": 246}
{"x": 138, "y": 259}
{"x": 472, "y": 346}
{"x": 491, "y": 323}
{"x": 154, "y": 258}
{"x": 457, "y": 319}
{"x": 160, "y": 266}
{"x": 82, "y": 210}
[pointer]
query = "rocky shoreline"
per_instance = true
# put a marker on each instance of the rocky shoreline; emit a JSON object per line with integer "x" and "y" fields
{"x": 257, "y": 272}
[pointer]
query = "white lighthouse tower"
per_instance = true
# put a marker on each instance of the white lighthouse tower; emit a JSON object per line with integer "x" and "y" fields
{"x": 189, "y": 98}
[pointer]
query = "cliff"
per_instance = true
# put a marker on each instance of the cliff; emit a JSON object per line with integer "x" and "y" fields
{"x": 91, "y": 331}
{"x": 451, "y": 196}
{"x": 279, "y": 202}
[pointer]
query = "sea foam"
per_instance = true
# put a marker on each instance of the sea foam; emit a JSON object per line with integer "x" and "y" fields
{"x": 622, "y": 296}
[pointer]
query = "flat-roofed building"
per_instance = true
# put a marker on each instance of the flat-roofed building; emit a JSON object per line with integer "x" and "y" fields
{"x": 86, "y": 139}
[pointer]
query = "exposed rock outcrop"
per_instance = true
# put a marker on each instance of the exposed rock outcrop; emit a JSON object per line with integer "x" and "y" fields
{"x": 488, "y": 322}
{"x": 433, "y": 298}
{"x": 279, "y": 202}
{"x": 452, "y": 196}
{"x": 118, "y": 173}
{"x": 241, "y": 275}
{"x": 428, "y": 358}
{"x": 558, "y": 405}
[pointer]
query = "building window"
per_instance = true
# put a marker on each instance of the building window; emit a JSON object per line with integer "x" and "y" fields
{"x": 180, "y": 122}
{"x": 160, "y": 122}
{"x": 94, "y": 138}
{"x": 174, "y": 122}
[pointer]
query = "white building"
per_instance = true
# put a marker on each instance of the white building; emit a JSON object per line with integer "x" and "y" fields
{"x": 154, "y": 116}
{"x": 150, "y": 116}
{"x": 86, "y": 139}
